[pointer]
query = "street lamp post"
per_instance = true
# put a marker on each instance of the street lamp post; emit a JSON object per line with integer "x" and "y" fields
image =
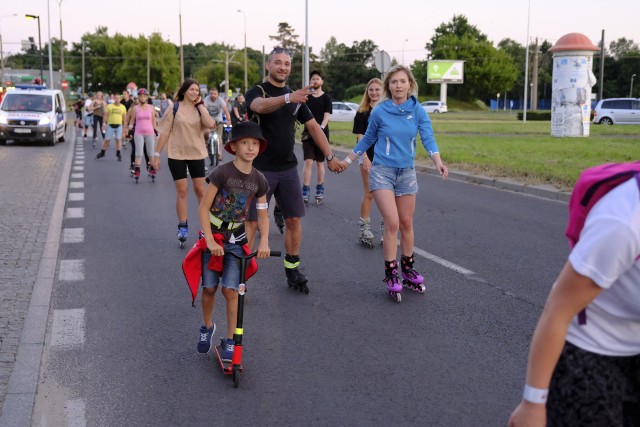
{"x": 181, "y": 50}
{"x": 245, "y": 49}
{"x": 61, "y": 44}
{"x": 631, "y": 88}
{"x": 405, "y": 40}
{"x": 39, "y": 45}
{"x": 2, "y": 52}
{"x": 526, "y": 67}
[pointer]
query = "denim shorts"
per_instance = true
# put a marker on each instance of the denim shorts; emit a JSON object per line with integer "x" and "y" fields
{"x": 402, "y": 181}
{"x": 230, "y": 270}
{"x": 113, "y": 133}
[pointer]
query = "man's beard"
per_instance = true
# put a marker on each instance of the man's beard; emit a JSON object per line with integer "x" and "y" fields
{"x": 275, "y": 78}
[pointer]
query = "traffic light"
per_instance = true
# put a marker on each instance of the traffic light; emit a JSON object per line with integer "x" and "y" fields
{"x": 33, "y": 44}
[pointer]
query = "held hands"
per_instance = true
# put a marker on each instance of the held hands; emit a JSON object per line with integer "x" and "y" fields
{"x": 336, "y": 165}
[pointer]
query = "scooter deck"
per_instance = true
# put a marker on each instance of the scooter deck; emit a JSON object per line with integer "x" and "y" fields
{"x": 227, "y": 367}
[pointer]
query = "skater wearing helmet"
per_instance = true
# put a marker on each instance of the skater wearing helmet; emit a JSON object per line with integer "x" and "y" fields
{"x": 225, "y": 206}
{"x": 393, "y": 127}
{"x": 143, "y": 116}
{"x": 371, "y": 96}
{"x": 182, "y": 131}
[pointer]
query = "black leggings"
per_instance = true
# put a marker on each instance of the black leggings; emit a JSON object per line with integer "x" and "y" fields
{"x": 97, "y": 119}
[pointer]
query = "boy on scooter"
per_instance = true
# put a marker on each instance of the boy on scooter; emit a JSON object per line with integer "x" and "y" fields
{"x": 222, "y": 212}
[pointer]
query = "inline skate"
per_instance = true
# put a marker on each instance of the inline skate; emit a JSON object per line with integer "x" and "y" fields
{"x": 183, "y": 233}
{"x": 319, "y": 193}
{"x": 136, "y": 174}
{"x": 152, "y": 173}
{"x": 410, "y": 278}
{"x": 391, "y": 279}
{"x": 366, "y": 236}
{"x": 295, "y": 279}
{"x": 305, "y": 194}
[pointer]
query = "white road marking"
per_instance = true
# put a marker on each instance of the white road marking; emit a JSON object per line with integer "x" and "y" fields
{"x": 78, "y": 162}
{"x": 73, "y": 235}
{"x": 78, "y": 168}
{"x": 76, "y": 413}
{"x": 71, "y": 269}
{"x": 77, "y": 176}
{"x": 443, "y": 262}
{"x": 68, "y": 327}
{"x": 75, "y": 213}
{"x": 76, "y": 184}
{"x": 76, "y": 197}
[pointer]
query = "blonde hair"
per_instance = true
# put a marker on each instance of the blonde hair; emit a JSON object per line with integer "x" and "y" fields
{"x": 413, "y": 84}
{"x": 366, "y": 101}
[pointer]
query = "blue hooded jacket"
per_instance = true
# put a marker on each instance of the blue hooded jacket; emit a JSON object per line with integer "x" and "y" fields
{"x": 393, "y": 130}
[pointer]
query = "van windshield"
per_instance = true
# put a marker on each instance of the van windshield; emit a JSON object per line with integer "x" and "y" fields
{"x": 27, "y": 102}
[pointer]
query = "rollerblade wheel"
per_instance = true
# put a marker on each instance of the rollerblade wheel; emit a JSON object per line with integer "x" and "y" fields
{"x": 181, "y": 244}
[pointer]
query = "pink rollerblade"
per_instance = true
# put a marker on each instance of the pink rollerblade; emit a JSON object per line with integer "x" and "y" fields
{"x": 391, "y": 278}
{"x": 411, "y": 278}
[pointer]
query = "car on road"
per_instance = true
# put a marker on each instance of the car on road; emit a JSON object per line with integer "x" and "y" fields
{"x": 617, "y": 111}
{"x": 33, "y": 113}
{"x": 435, "y": 107}
{"x": 343, "y": 111}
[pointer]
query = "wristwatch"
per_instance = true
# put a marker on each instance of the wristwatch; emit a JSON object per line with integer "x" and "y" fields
{"x": 330, "y": 157}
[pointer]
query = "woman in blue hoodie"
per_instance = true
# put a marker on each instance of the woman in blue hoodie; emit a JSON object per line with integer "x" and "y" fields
{"x": 393, "y": 127}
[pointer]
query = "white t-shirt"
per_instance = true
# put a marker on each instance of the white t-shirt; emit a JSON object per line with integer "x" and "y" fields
{"x": 607, "y": 253}
{"x": 87, "y": 106}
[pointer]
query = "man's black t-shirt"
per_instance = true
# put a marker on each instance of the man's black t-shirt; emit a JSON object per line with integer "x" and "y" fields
{"x": 318, "y": 106}
{"x": 278, "y": 128}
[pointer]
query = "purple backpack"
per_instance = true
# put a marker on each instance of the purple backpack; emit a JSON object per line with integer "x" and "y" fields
{"x": 592, "y": 185}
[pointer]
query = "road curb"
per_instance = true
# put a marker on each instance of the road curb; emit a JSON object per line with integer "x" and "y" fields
{"x": 543, "y": 191}
{"x": 18, "y": 405}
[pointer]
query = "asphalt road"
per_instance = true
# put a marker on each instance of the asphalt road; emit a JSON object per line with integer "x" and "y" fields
{"x": 343, "y": 355}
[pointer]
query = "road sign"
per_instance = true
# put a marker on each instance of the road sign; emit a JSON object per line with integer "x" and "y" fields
{"x": 65, "y": 85}
{"x": 382, "y": 61}
{"x": 449, "y": 71}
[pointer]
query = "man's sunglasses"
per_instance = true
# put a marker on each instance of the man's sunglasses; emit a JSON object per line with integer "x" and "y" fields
{"x": 281, "y": 50}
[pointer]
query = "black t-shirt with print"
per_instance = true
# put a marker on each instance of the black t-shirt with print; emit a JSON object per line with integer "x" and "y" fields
{"x": 236, "y": 191}
{"x": 360, "y": 124}
{"x": 278, "y": 128}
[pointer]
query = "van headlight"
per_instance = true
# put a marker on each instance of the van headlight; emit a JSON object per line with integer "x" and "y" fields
{"x": 3, "y": 120}
{"x": 44, "y": 120}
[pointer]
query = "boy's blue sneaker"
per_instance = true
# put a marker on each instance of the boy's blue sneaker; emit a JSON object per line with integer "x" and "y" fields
{"x": 226, "y": 346}
{"x": 206, "y": 337}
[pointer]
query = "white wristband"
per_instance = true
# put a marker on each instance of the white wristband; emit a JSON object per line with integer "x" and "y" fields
{"x": 156, "y": 154}
{"x": 348, "y": 160}
{"x": 262, "y": 205}
{"x": 535, "y": 395}
{"x": 286, "y": 98}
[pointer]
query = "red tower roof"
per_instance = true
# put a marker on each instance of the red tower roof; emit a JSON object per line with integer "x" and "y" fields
{"x": 573, "y": 41}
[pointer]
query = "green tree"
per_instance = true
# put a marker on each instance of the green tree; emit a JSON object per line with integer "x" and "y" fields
{"x": 487, "y": 70}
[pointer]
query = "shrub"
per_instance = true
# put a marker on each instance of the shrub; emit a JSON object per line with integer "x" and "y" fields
{"x": 536, "y": 115}
{"x": 355, "y": 91}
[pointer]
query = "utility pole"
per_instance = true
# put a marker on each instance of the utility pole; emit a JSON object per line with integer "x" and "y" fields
{"x": 83, "y": 70}
{"x": 61, "y": 44}
{"x": 148, "y": 62}
{"x": 534, "y": 79}
{"x": 601, "y": 77}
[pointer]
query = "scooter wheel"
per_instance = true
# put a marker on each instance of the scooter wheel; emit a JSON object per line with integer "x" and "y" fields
{"x": 236, "y": 378}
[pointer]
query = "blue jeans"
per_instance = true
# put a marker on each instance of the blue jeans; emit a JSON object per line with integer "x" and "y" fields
{"x": 402, "y": 181}
{"x": 230, "y": 270}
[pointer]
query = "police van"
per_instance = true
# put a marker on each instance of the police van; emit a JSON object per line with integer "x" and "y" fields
{"x": 33, "y": 113}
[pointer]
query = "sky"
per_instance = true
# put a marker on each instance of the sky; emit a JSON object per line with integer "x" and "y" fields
{"x": 402, "y": 29}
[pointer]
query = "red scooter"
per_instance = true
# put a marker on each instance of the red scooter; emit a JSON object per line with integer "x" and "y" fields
{"x": 235, "y": 367}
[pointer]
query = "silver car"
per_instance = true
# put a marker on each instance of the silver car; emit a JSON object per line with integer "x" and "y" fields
{"x": 435, "y": 107}
{"x": 617, "y": 111}
{"x": 343, "y": 111}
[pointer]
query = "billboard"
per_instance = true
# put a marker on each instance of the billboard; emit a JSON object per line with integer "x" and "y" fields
{"x": 445, "y": 71}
